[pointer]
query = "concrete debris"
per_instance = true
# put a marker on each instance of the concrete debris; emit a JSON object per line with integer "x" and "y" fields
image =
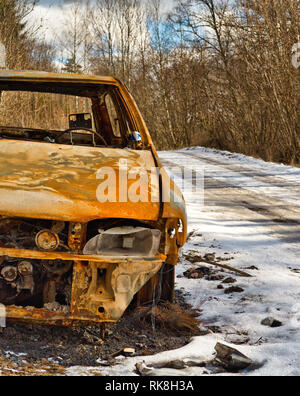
{"x": 231, "y": 359}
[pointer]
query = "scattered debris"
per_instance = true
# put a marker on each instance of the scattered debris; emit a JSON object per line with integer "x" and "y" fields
{"x": 296, "y": 271}
{"x": 234, "y": 289}
{"x": 105, "y": 363}
{"x": 227, "y": 358}
{"x": 215, "y": 329}
{"x": 192, "y": 363}
{"x": 128, "y": 352}
{"x": 174, "y": 364}
{"x": 197, "y": 273}
{"x": 215, "y": 277}
{"x": 159, "y": 369}
{"x": 191, "y": 234}
{"x": 203, "y": 272}
{"x": 144, "y": 371}
{"x": 210, "y": 258}
{"x": 231, "y": 359}
{"x": 271, "y": 322}
{"x": 225, "y": 258}
{"x": 229, "y": 281}
{"x": 237, "y": 339}
{"x": 82, "y": 345}
{"x": 91, "y": 338}
{"x": 229, "y": 268}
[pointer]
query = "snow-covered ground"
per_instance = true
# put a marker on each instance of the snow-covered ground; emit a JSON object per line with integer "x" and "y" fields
{"x": 251, "y": 213}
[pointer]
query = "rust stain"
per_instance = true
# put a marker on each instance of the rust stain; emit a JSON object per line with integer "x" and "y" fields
{"x": 50, "y": 181}
{"x": 34, "y": 254}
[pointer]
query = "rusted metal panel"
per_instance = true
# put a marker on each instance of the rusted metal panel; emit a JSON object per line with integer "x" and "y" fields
{"x": 35, "y": 254}
{"x": 50, "y": 181}
{"x": 106, "y": 290}
{"x": 101, "y": 291}
{"x": 39, "y": 76}
{"x": 44, "y": 316}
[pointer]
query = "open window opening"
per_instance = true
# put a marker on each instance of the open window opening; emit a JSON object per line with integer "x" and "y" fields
{"x": 97, "y": 119}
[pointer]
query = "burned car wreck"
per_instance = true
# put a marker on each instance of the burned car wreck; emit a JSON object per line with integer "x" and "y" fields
{"x": 80, "y": 237}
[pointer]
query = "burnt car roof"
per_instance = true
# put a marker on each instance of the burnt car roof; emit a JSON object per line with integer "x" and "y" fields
{"x": 67, "y": 84}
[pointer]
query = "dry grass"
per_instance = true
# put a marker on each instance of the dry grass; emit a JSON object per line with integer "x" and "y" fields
{"x": 172, "y": 318}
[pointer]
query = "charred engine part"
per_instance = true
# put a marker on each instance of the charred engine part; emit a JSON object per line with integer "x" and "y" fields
{"x": 58, "y": 226}
{"x": 19, "y": 281}
{"x": 9, "y": 273}
{"x": 77, "y": 236}
{"x": 125, "y": 241}
{"x": 47, "y": 240}
{"x": 56, "y": 284}
{"x": 49, "y": 292}
{"x": 57, "y": 267}
{"x": 35, "y": 282}
{"x": 47, "y": 235}
{"x": 25, "y": 269}
{"x": 20, "y": 277}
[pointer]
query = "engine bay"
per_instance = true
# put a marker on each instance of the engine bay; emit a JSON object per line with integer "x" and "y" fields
{"x": 47, "y": 284}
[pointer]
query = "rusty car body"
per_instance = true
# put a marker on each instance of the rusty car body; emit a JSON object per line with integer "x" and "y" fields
{"x": 66, "y": 256}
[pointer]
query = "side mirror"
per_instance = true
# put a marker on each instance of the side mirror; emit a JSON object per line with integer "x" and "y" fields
{"x": 82, "y": 120}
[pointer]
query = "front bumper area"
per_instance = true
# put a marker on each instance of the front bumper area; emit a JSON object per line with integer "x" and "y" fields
{"x": 102, "y": 288}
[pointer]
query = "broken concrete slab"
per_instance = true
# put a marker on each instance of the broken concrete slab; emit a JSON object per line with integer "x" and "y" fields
{"x": 231, "y": 359}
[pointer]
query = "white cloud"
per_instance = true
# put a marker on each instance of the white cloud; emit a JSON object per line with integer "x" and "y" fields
{"x": 50, "y": 14}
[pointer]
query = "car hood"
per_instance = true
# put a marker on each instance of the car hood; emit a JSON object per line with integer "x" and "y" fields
{"x": 50, "y": 181}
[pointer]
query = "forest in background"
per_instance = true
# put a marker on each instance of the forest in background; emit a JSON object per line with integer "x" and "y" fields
{"x": 215, "y": 73}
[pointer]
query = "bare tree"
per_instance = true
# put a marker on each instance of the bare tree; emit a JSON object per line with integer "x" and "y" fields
{"x": 75, "y": 38}
{"x": 120, "y": 33}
